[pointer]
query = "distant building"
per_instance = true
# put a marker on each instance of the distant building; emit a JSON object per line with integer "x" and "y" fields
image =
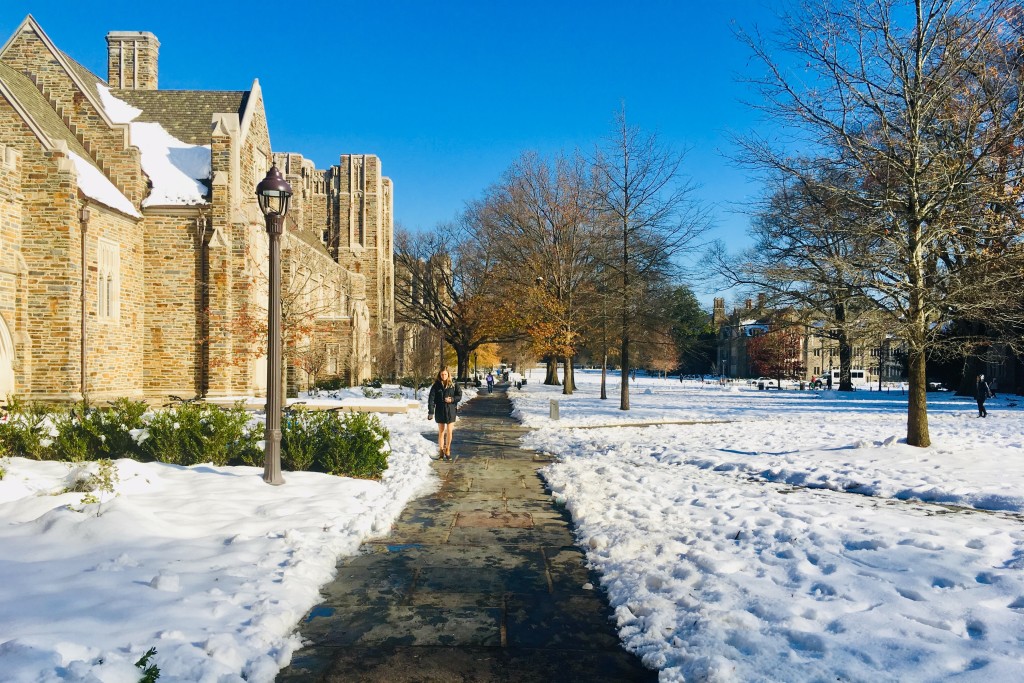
{"x": 159, "y": 187}
{"x": 818, "y": 352}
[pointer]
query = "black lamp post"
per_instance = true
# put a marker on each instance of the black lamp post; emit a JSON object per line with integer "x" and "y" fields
{"x": 273, "y": 193}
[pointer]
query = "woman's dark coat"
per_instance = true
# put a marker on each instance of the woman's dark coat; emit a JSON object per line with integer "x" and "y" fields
{"x": 436, "y": 407}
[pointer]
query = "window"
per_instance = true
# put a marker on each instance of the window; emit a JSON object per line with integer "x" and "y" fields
{"x": 108, "y": 280}
{"x": 332, "y": 359}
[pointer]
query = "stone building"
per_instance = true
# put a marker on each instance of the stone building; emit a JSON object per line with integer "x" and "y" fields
{"x": 818, "y": 353}
{"x": 136, "y": 205}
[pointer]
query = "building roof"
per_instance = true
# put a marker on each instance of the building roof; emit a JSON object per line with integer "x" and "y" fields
{"x": 185, "y": 114}
{"x": 88, "y": 78}
{"x": 39, "y": 109}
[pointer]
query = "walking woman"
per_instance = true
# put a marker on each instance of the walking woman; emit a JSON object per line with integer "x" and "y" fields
{"x": 441, "y": 405}
{"x": 981, "y": 392}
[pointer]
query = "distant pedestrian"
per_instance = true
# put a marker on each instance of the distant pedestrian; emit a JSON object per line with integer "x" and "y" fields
{"x": 993, "y": 385}
{"x": 442, "y": 405}
{"x": 981, "y": 392}
{"x": 828, "y": 381}
{"x": 490, "y": 382}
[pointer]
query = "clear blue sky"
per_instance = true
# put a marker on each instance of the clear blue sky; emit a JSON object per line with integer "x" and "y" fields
{"x": 449, "y": 93}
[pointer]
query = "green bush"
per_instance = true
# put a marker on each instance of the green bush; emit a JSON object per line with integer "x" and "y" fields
{"x": 78, "y": 438}
{"x": 331, "y": 383}
{"x": 354, "y": 445}
{"x": 193, "y": 433}
{"x": 73, "y": 433}
{"x": 300, "y": 438}
{"x": 26, "y": 429}
{"x": 115, "y": 424}
{"x": 349, "y": 444}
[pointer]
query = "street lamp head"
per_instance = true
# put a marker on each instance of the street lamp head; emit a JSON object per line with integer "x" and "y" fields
{"x": 273, "y": 193}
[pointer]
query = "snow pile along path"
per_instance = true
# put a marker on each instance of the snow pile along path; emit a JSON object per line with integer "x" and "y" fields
{"x": 718, "y": 568}
{"x": 209, "y": 565}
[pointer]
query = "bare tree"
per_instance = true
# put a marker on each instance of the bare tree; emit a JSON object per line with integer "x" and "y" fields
{"x": 443, "y": 281}
{"x": 539, "y": 224}
{"x": 649, "y": 217}
{"x": 423, "y": 362}
{"x": 915, "y": 102}
{"x": 808, "y": 260}
{"x": 311, "y": 359}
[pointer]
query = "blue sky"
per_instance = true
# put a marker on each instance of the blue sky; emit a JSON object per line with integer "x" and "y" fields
{"x": 448, "y": 94}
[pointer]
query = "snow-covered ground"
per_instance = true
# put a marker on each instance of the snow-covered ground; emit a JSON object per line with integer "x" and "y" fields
{"x": 209, "y": 565}
{"x": 780, "y": 537}
{"x": 787, "y": 539}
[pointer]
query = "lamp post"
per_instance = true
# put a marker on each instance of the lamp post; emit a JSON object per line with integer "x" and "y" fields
{"x": 273, "y": 193}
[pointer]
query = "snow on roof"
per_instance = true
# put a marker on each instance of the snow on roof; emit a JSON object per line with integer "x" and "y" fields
{"x": 119, "y": 111}
{"x": 177, "y": 169}
{"x": 95, "y": 185}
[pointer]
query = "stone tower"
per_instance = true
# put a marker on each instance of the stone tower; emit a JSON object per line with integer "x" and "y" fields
{"x": 361, "y": 234}
{"x": 718, "y": 315}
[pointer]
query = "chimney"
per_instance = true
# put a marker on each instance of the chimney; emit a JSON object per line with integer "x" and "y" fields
{"x": 750, "y": 304}
{"x": 132, "y": 60}
{"x": 762, "y": 299}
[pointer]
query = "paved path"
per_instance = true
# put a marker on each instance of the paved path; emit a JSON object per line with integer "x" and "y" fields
{"x": 479, "y": 581}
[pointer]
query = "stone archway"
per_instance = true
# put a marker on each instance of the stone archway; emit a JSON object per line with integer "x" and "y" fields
{"x": 6, "y": 362}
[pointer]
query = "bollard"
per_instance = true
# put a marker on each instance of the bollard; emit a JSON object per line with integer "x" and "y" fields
{"x": 554, "y": 409}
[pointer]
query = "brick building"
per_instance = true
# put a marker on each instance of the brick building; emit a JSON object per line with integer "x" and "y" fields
{"x": 137, "y": 205}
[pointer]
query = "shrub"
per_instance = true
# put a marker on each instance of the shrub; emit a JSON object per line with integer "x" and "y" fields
{"x": 331, "y": 383}
{"x": 115, "y": 424}
{"x": 26, "y": 431}
{"x": 354, "y": 445}
{"x": 370, "y": 392}
{"x": 77, "y": 437}
{"x": 193, "y": 433}
{"x": 300, "y": 438}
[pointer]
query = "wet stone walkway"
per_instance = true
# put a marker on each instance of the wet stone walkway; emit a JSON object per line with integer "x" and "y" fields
{"x": 479, "y": 581}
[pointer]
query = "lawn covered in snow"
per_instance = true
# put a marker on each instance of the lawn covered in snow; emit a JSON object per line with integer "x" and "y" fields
{"x": 209, "y": 565}
{"x": 792, "y": 536}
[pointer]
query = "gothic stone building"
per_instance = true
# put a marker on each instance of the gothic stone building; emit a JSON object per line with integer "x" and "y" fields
{"x": 136, "y": 205}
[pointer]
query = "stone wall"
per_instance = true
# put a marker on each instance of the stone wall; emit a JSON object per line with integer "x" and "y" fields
{"x": 49, "y": 329}
{"x": 175, "y": 307}
{"x": 115, "y": 341}
{"x": 12, "y": 308}
{"x": 308, "y": 210}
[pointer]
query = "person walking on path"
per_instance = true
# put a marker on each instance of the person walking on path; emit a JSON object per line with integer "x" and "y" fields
{"x": 442, "y": 405}
{"x": 490, "y": 382}
{"x": 981, "y": 392}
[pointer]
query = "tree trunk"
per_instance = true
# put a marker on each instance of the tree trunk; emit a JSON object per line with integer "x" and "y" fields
{"x": 624, "y": 386}
{"x": 917, "y": 404}
{"x": 551, "y": 379}
{"x": 568, "y": 382}
{"x": 604, "y": 375}
{"x": 462, "y": 356}
{"x": 845, "y": 362}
